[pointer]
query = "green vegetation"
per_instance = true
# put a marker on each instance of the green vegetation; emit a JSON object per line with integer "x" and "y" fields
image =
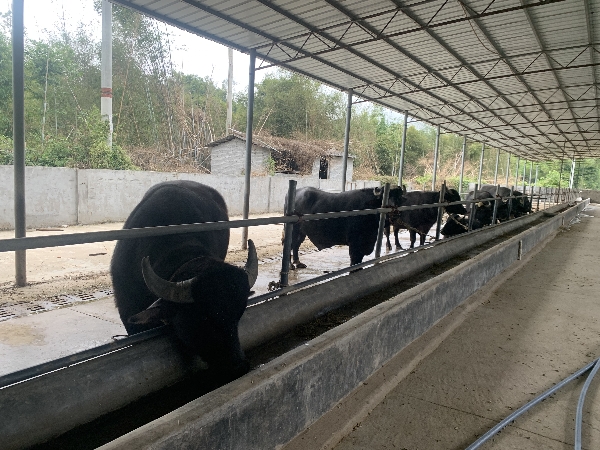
{"x": 159, "y": 111}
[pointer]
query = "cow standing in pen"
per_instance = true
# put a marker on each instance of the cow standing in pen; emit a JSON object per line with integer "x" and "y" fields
{"x": 359, "y": 233}
{"x": 520, "y": 206}
{"x": 420, "y": 220}
{"x": 182, "y": 279}
{"x": 484, "y": 213}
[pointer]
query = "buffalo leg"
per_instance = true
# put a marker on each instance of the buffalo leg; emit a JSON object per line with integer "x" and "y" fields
{"x": 356, "y": 256}
{"x": 297, "y": 239}
{"x": 422, "y": 237}
{"x": 396, "y": 230}
{"x": 413, "y": 238}
{"x": 386, "y": 230}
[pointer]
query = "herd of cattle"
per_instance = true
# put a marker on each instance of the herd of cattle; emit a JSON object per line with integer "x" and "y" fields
{"x": 183, "y": 279}
{"x": 359, "y": 233}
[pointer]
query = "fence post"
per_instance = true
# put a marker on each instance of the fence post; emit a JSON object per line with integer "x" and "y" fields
{"x": 287, "y": 234}
{"x": 440, "y": 211}
{"x": 531, "y": 197}
{"x": 473, "y": 208}
{"x": 384, "y": 201}
{"x": 495, "y": 205}
{"x": 510, "y": 201}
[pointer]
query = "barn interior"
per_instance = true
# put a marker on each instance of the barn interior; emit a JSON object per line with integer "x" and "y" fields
{"x": 515, "y": 75}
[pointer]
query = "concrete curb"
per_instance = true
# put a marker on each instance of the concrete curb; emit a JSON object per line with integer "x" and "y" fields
{"x": 268, "y": 407}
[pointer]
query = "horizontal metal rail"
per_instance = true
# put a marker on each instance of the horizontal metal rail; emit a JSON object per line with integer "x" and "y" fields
{"x": 33, "y": 242}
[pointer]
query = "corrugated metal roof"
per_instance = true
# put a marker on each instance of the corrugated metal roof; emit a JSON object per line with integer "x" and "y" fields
{"x": 519, "y": 75}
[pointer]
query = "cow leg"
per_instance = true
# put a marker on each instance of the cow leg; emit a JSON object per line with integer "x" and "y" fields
{"x": 413, "y": 238}
{"x": 386, "y": 230}
{"x": 356, "y": 256}
{"x": 297, "y": 239}
{"x": 396, "y": 230}
{"x": 422, "y": 237}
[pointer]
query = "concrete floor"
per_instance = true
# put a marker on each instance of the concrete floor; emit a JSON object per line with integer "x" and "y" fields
{"x": 533, "y": 326}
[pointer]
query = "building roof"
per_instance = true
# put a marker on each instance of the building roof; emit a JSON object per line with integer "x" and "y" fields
{"x": 520, "y": 75}
{"x": 279, "y": 144}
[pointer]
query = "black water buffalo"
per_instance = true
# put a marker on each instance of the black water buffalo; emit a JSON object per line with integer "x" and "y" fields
{"x": 359, "y": 233}
{"x": 484, "y": 211}
{"x": 484, "y": 208}
{"x": 420, "y": 220}
{"x": 182, "y": 280}
{"x": 520, "y": 206}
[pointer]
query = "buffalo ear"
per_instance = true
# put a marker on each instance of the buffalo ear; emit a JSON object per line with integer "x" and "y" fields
{"x": 159, "y": 312}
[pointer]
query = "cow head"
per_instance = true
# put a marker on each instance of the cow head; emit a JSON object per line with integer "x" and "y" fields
{"x": 203, "y": 302}
{"x": 451, "y": 196}
{"x": 396, "y": 196}
{"x": 521, "y": 205}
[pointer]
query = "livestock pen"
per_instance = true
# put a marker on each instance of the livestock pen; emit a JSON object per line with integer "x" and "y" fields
{"x": 43, "y": 386}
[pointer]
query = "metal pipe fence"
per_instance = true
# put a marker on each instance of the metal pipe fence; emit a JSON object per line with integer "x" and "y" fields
{"x": 33, "y": 242}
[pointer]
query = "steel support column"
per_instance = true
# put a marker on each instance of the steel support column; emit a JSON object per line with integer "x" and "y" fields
{"x": 106, "y": 69}
{"x": 436, "y": 152}
{"x": 481, "y": 164}
{"x": 287, "y": 234}
{"x": 497, "y": 164}
{"x": 18, "y": 55}
{"x": 346, "y": 139}
{"x": 248, "y": 165}
{"x": 462, "y": 164}
{"x": 537, "y": 170}
{"x": 507, "y": 169}
{"x": 229, "y": 93}
{"x": 517, "y": 173}
{"x": 440, "y": 215}
{"x": 562, "y": 161}
{"x": 572, "y": 173}
{"x": 402, "y": 149}
{"x": 524, "y": 174}
{"x": 382, "y": 216}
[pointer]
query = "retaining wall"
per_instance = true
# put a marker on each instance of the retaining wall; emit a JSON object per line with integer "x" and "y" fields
{"x": 592, "y": 194}
{"x": 57, "y": 196}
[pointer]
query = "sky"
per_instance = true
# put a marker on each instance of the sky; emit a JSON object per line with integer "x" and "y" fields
{"x": 191, "y": 54}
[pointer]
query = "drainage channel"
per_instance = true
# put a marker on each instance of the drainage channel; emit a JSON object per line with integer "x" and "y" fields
{"x": 12, "y": 310}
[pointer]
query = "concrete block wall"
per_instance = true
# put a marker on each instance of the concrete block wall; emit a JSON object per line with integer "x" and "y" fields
{"x": 229, "y": 158}
{"x": 57, "y": 196}
{"x": 50, "y": 196}
{"x": 592, "y": 194}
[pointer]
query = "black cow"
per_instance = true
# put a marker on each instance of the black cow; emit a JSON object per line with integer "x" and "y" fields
{"x": 520, "y": 206}
{"x": 484, "y": 208}
{"x": 484, "y": 211}
{"x": 359, "y": 233}
{"x": 420, "y": 220}
{"x": 182, "y": 279}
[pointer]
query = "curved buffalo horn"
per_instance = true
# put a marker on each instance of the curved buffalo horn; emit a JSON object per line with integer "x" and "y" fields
{"x": 377, "y": 191}
{"x": 176, "y": 292}
{"x": 251, "y": 266}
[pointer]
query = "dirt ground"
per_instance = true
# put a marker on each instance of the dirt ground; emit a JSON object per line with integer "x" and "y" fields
{"x": 85, "y": 267}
